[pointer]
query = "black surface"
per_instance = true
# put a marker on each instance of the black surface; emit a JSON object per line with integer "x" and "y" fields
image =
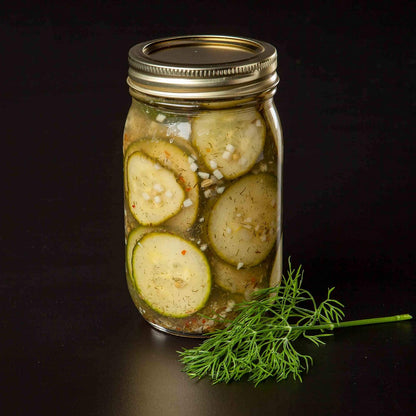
{"x": 72, "y": 342}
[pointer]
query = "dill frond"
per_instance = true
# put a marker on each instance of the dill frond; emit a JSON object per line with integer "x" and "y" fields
{"x": 259, "y": 343}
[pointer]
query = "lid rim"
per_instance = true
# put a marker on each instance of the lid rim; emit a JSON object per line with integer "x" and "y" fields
{"x": 165, "y": 66}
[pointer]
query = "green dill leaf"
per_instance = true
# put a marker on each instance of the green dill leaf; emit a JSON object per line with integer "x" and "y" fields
{"x": 260, "y": 342}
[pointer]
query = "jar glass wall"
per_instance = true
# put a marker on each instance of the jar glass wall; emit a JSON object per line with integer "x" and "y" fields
{"x": 202, "y": 193}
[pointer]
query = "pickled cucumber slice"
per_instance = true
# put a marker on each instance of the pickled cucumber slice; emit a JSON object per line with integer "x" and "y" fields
{"x": 241, "y": 281}
{"x": 153, "y": 193}
{"x": 229, "y": 140}
{"x": 133, "y": 238}
{"x": 175, "y": 159}
{"x": 171, "y": 274}
{"x": 139, "y": 125}
{"x": 242, "y": 226}
{"x": 145, "y": 121}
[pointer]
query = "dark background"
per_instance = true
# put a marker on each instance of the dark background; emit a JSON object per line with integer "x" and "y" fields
{"x": 71, "y": 341}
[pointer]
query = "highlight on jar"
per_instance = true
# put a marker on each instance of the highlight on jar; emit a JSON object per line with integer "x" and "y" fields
{"x": 200, "y": 213}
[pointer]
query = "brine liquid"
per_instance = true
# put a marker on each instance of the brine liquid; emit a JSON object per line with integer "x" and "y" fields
{"x": 226, "y": 159}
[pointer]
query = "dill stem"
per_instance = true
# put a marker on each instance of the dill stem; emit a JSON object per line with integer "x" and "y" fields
{"x": 358, "y": 322}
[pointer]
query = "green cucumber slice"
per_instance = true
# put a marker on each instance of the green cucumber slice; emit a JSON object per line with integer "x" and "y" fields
{"x": 176, "y": 160}
{"x": 133, "y": 238}
{"x": 229, "y": 140}
{"x": 171, "y": 274}
{"x": 153, "y": 192}
{"x": 242, "y": 226}
{"x": 242, "y": 281}
{"x": 148, "y": 122}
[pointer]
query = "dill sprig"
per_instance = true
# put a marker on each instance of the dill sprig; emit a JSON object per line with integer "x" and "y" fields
{"x": 259, "y": 342}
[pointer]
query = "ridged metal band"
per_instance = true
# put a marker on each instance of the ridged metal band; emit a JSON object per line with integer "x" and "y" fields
{"x": 202, "y": 67}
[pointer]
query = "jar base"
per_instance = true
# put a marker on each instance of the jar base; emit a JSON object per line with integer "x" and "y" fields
{"x": 177, "y": 333}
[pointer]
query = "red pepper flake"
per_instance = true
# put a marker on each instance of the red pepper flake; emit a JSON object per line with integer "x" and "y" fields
{"x": 133, "y": 206}
{"x": 208, "y": 150}
{"x": 188, "y": 189}
{"x": 181, "y": 179}
{"x": 183, "y": 252}
{"x": 167, "y": 153}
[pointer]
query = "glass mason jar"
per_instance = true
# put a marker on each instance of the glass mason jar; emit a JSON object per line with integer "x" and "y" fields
{"x": 203, "y": 154}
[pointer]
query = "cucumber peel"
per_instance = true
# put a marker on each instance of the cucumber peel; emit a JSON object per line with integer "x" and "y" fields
{"x": 133, "y": 238}
{"x": 171, "y": 274}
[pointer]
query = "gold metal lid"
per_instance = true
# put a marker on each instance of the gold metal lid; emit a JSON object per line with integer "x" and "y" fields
{"x": 202, "y": 67}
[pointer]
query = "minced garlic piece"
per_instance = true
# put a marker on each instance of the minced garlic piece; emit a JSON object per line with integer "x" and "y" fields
{"x": 230, "y": 148}
{"x": 226, "y": 155}
{"x": 218, "y": 174}
{"x": 208, "y": 193}
{"x": 203, "y": 175}
{"x": 187, "y": 203}
{"x": 160, "y": 118}
{"x": 158, "y": 187}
